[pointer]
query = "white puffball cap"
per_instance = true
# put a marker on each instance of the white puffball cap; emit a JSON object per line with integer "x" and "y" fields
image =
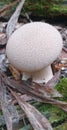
{"x": 34, "y": 46}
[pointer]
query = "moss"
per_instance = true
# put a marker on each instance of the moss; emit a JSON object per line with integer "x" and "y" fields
{"x": 60, "y": 9}
{"x": 62, "y": 87}
{"x": 27, "y": 127}
{"x": 44, "y": 8}
{"x": 55, "y": 115}
{"x": 61, "y": 127}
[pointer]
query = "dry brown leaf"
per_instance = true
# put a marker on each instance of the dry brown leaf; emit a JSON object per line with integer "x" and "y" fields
{"x": 16, "y": 74}
{"x": 59, "y": 66}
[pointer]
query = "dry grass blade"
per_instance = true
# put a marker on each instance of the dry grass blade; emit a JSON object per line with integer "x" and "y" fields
{"x": 13, "y": 20}
{"x": 26, "y": 88}
{"x": 6, "y": 8}
{"x": 37, "y": 120}
{"x": 9, "y": 111}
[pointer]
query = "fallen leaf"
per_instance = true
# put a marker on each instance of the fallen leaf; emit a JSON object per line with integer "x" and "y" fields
{"x": 9, "y": 111}
{"x": 13, "y": 20}
{"x": 16, "y": 74}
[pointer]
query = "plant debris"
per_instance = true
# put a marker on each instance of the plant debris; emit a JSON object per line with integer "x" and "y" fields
{"x": 13, "y": 90}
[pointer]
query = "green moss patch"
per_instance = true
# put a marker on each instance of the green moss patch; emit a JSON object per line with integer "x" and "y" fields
{"x": 62, "y": 87}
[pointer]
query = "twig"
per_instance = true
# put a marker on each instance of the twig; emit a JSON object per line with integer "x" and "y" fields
{"x": 27, "y": 16}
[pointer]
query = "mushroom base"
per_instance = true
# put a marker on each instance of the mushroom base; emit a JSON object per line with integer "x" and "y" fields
{"x": 42, "y": 76}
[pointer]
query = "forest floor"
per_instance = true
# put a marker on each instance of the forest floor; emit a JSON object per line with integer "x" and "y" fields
{"x": 13, "y": 91}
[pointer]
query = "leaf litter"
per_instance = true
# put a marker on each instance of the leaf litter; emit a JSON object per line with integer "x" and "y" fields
{"x": 38, "y": 92}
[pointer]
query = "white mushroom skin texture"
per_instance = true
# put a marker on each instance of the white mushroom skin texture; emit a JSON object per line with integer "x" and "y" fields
{"x": 34, "y": 46}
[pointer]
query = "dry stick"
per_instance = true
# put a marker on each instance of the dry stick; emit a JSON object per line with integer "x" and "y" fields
{"x": 27, "y": 16}
{"x": 13, "y": 20}
{"x": 37, "y": 120}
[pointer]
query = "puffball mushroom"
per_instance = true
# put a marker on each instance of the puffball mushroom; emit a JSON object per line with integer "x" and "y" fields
{"x": 32, "y": 48}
